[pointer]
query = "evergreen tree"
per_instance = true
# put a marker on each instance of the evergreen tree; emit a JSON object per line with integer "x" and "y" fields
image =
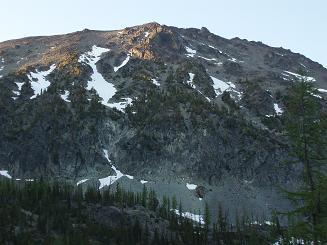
{"x": 222, "y": 224}
{"x": 306, "y": 128}
{"x": 26, "y": 91}
{"x": 96, "y": 108}
{"x": 144, "y": 196}
{"x": 207, "y": 218}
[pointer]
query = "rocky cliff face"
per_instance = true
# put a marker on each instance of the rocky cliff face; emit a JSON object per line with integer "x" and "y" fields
{"x": 169, "y": 106}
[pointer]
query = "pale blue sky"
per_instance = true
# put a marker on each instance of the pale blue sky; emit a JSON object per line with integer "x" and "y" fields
{"x": 299, "y": 25}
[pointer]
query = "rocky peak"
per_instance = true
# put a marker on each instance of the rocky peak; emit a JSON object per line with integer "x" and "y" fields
{"x": 197, "y": 116}
{"x": 155, "y": 41}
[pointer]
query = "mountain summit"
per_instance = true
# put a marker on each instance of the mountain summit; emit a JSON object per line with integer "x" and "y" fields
{"x": 183, "y": 111}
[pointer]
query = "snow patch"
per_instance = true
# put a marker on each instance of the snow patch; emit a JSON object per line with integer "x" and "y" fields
{"x": 293, "y": 240}
{"x": 219, "y": 86}
{"x": 155, "y": 82}
{"x": 208, "y": 59}
{"x": 278, "y": 110}
{"x": 116, "y": 68}
{"x": 1, "y": 67}
{"x": 146, "y": 34}
{"x": 249, "y": 181}
{"x": 267, "y": 222}
{"x": 39, "y": 81}
{"x": 65, "y": 96}
{"x": 107, "y": 181}
{"x": 121, "y": 106}
{"x": 81, "y": 182}
{"x": 129, "y": 176}
{"x": 195, "y": 217}
{"x": 215, "y": 49}
{"x": 300, "y": 77}
{"x": 190, "y": 52}
{"x": 4, "y": 173}
{"x": 144, "y": 181}
{"x": 19, "y": 85}
{"x": 316, "y": 95}
{"x": 235, "y": 60}
{"x": 322, "y": 90}
{"x": 191, "y": 186}
{"x": 105, "y": 90}
{"x": 190, "y": 82}
{"x": 211, "y": 60}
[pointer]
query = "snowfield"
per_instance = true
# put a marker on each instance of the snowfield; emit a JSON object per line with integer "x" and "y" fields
{"x": 107, "y": 181}
{"x": 221, "y": 86}
{"x": 105, "y": 89}
{"x": 39, "y": 81}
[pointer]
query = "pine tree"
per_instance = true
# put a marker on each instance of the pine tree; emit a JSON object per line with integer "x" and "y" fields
{"x": 306, "y": 128}
{"x": 222, "y": 225}
{"x": 26, "y": 91}
{"x": 144, "y": 196}
{"x": 96, "y": 108}
{"x": 207, "y": 217}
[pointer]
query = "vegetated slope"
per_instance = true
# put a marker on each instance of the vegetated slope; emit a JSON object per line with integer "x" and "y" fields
{"x": 44, "y": 212}
{"x": 170, "y": 107}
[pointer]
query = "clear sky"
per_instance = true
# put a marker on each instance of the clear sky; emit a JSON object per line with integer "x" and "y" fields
{"x": 299, "y": 25}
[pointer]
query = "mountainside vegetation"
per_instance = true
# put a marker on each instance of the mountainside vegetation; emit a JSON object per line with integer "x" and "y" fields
{"x": 153, "y": 120}
{"x": 43, "y": 212}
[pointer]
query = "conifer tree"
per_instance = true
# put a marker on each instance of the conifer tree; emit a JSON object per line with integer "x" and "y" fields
{"x": 306, "y": 128}
{"x": 207, "y": 218}
{"x": 26, "y": 91}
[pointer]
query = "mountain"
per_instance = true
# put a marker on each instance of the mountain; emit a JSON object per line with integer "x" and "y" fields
{"x": 183, "y": 111}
